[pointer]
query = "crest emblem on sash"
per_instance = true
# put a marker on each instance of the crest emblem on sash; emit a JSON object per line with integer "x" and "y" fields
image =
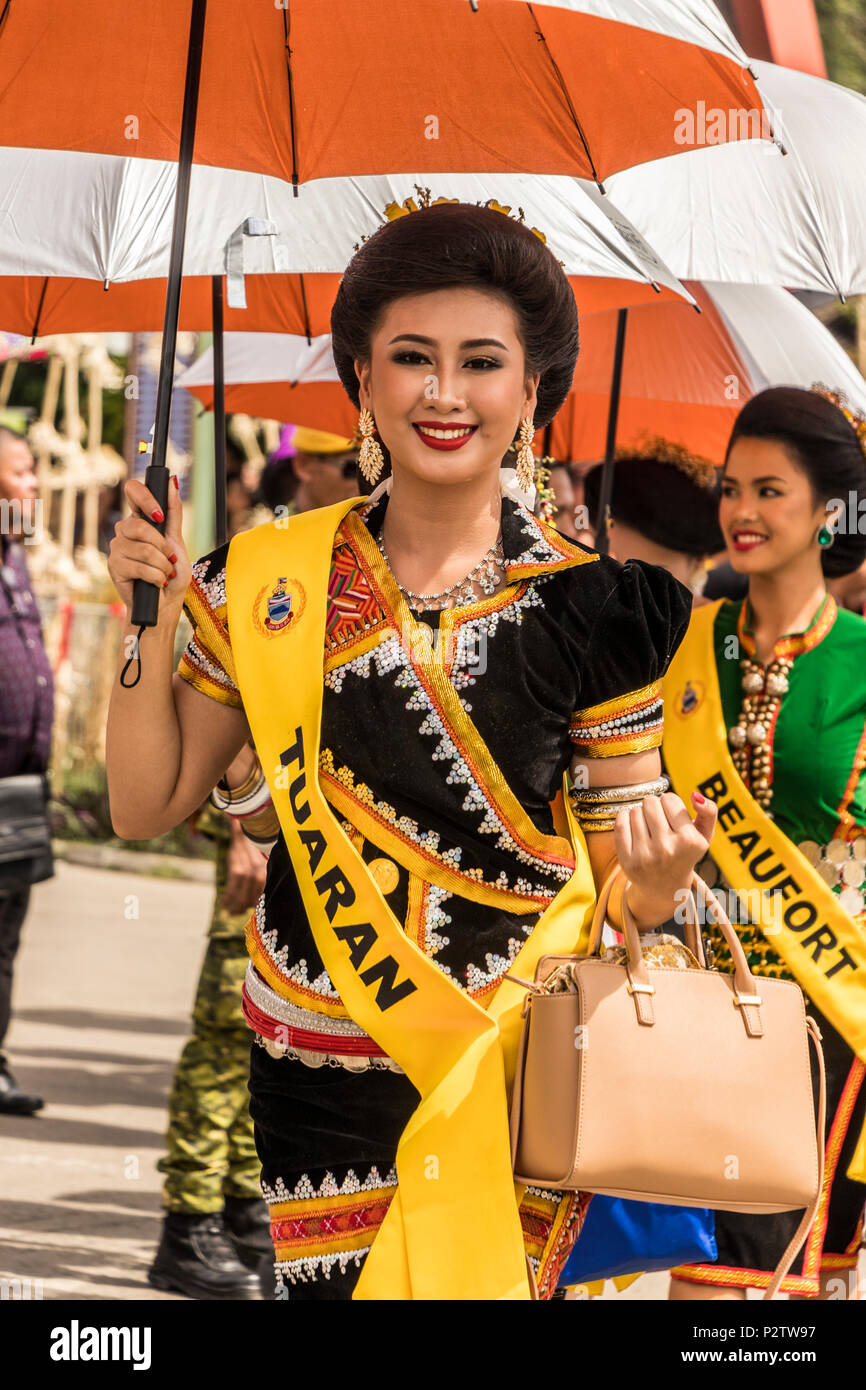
{"x": 279, "y": 607}
{"x": 688, "y": 700}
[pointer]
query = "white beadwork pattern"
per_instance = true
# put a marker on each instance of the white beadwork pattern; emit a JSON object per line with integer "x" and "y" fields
{"x": 636, "y": 721}
{"x": 446, "y": 751}
{"x": 304, "y": 1189}
{"x": 214, "y": 589}
{"x": 540, "y": 552}
{"x": 304, "y": 1270}
{"x": 434, "y": 918}
{"x": 198, "y": 658}
{"x": 279, "y": 956}
{"x": 478, "y": 979}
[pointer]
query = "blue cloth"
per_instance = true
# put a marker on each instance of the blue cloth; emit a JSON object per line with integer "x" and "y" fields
{"x": 624, "y": 1237}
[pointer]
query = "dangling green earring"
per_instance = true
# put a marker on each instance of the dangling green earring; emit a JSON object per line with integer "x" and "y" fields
{"x": 825, "y": 538}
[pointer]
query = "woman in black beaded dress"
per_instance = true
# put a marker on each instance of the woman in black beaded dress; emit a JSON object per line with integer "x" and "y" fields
{"x": 471, "y": 656}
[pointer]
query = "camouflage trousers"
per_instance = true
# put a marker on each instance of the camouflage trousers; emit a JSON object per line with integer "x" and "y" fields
{"x": 210, "y": 1153}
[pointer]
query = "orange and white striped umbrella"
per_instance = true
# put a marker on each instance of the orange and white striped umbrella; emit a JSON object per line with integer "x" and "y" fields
{"x": 286, "y": 279}
{"x": 685, "y": 375}
{"x": 301, "y": 89}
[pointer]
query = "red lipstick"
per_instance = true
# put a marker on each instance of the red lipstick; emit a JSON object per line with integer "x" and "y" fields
{"x": 438, "y": 435}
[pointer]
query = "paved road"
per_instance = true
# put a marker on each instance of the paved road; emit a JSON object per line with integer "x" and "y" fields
{"x": 104, "y": 986}
{"x": 103, "y": 991}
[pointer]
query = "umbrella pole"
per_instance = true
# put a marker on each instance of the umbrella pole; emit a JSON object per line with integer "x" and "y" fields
{"x": 602, "y": 538}
{"x": 219, "y": 408}
{"x": 145, "y": 604}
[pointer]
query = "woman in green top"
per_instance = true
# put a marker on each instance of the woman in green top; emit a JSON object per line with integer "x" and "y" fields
{"x": 791, "y": 670}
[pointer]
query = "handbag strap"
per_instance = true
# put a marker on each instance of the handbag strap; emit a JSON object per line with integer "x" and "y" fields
{"x": 809, "y": 1214}
{"x": 746, "y": 994}
{"x": 692, "y": 932}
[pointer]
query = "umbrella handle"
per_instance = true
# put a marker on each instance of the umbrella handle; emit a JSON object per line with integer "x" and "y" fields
{"x": 145, "y": 596}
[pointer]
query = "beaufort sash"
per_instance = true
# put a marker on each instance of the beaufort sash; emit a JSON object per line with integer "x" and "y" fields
{"x": 452, "y": 1230}
{"x": 820, "y": 943}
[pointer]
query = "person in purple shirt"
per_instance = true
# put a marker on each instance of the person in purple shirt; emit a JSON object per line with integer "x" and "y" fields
{"x": 26, "y": 704}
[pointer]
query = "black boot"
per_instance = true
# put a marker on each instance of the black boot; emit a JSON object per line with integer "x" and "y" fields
{"x": 196, "y": 1258}
{"x": 14, "y": 1101}
{"x": 247, "y": 1222}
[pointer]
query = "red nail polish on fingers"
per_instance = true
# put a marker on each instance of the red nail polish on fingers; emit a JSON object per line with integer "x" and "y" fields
{"x": 698, "y": 798}
{"x": 165, "y": 585}
{"x": 157, "y": 515}
{"x": 173, "y": 559}
{"x": 173, "y": 574}
{"x": 174, "y": 480}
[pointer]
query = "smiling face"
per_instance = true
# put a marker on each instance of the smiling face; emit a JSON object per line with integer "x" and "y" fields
{"x": 768, "y": 514}
{"x": 447, "y": 384}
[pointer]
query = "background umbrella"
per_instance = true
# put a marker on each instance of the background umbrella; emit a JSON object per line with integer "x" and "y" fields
{"x": 746, "y": 216}
{"x": 117, "y": 239}
{"x": 748, "y": 219}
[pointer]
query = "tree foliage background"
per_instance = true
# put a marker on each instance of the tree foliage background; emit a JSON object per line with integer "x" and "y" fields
{"x": 843, "y": 34}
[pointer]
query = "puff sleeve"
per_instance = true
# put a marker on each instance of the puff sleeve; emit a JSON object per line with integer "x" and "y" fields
{"x": 207, "y": 661}
{"x": 632, "y": 640}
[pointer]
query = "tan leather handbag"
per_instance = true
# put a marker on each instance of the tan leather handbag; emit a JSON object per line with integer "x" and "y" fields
{"x": 690, "y": 1087}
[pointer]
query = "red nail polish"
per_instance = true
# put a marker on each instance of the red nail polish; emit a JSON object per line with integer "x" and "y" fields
{"x": 173, "y": 559}
{"x": 165, "y": 585}
{"x": 173, "y": 575}
{"x": 174, "y": 480}
{"x": 698, "y": 798}
{"x": 157, "y": 515}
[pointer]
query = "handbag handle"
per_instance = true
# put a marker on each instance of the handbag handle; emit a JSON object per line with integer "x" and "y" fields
{"x": 692, "y": 932}
{"x": 746, "y": 995}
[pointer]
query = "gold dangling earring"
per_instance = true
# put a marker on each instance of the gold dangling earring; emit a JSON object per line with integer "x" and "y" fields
{"x": 525, "y": 469}
{"x": 371, "y": 460}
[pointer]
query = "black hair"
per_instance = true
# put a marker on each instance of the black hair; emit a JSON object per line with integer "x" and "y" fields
{"x": 824, "y": 444}
{"x": 455, "y": 245}
{"x": 278, "y": 483}
{"x": 662, "y": 503}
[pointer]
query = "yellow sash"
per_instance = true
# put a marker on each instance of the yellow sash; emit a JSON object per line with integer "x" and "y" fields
{"x": 816, "y": 938}
{"x": 452, "y": 1230}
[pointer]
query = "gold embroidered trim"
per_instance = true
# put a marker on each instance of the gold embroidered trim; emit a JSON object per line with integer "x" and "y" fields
{"x": 415, "y": 858}
{"x": 620, "y": 704}
{"x": 795, "y": 643}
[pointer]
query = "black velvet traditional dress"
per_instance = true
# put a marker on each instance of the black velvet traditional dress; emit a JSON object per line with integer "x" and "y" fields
{"x": 449, "y": 803}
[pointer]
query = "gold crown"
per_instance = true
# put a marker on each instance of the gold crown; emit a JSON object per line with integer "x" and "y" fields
{"x": 699, "y": 470}
{"x": 854, "y": 418}
{"x": 425, "y": 199}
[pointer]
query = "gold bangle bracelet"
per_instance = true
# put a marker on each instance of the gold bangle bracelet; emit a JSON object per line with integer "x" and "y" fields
{"x": 634, "y": 791}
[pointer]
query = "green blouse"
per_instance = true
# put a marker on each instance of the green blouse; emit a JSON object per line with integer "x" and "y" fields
{"x": 818, "y": 745}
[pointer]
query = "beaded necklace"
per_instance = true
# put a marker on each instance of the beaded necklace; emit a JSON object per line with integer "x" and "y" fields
{"x": 486, "y": 574}
{"x": 750, "y": 736}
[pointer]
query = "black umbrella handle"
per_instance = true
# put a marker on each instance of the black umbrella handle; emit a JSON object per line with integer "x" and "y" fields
{"x": 145, "y": 596}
